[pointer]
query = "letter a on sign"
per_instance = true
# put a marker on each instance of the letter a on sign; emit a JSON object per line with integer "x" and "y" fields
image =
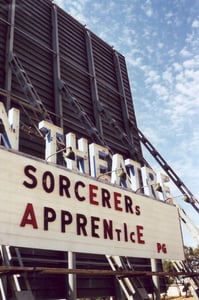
{"x": 29, "y": 217}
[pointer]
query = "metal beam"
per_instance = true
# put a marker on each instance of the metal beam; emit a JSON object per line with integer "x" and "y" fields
{"x": 56, "y": 68}
{"x": 93, "y": 82}
{"x": 94, "y": 272}
{"x": 72, "y": 277}
{"x": 125, "y": 113}
{"x": 189, "y": 197}
{"x": 9, "y": 49}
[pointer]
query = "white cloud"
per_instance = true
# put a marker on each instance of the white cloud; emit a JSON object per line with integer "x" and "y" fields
{"x": 160, "y": 90}
{"x": 185, "y": 53}
{"x": 167, "y": 76}
{"x": 160, "y": 43}
{"x": 147, "y": 8}
{"x": 151, "y": 77}
{"x": 177, "y": 67}
{"x": 191, "y": 63}
{"x": 195, "y": 24}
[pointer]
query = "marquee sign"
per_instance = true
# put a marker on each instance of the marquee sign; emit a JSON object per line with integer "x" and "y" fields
{"x": 50, "y": 207}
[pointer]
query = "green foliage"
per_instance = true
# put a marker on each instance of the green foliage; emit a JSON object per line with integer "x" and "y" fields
{"x": 192, "y": 258}
{"x": 196, "y": 251}
{"x": 168, "y": 267}
{"x": 191, "y": 262}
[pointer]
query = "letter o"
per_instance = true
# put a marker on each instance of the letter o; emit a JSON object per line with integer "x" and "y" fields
{"x": 48, "y": 182}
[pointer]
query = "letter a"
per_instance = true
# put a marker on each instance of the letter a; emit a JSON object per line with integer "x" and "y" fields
{"x": 29, "y": 217}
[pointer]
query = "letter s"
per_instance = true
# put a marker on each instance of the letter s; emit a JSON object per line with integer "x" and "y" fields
{"x": 27, "y": 171}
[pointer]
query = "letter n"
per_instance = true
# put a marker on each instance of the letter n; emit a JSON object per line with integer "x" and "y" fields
{"x": 29, "y": 217}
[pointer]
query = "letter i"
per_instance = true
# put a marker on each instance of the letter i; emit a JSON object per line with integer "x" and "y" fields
{"x": 125, "y": 233}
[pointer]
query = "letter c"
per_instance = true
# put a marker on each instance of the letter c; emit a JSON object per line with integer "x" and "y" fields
{"x": 77, "y": 184}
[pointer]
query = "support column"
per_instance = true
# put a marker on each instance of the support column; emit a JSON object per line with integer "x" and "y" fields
{"x": 124, "y": 106}
{"x": 93, "y": 83}
{"x": 154, "y": 268}
{"x": 72, "y": 284}
{"x": 9, "y": 50}
{"x": 56, "y": 68}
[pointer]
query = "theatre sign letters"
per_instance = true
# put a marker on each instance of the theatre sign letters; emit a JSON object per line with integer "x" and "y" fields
{"x": 47, "y": 206}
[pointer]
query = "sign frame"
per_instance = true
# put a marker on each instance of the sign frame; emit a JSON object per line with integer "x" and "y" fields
{"x": 47, "y": 206}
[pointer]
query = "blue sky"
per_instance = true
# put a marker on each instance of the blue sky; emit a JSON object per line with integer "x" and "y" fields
{"x": 160, "y": 41}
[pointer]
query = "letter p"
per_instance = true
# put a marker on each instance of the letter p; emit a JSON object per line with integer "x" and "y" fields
{"x": 161, "y": 248}
{"x": 49, "y": 216}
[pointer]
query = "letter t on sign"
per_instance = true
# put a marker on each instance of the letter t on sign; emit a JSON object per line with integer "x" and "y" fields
{"x": 52, "y": 132}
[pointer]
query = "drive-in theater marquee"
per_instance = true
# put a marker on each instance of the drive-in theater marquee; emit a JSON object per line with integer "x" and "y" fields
{"x": 50, "y": 207}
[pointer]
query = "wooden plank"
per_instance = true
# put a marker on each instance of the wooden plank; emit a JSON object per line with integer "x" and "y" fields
{"x": 94, "y": 272}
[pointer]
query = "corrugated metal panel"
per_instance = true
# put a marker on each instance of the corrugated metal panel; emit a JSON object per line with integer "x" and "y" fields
{"x": 98, "y": 286}
{"x": 131, "y": 112}
{"x": 72, "y": 40}
{"x": 33, "y": 30}
{"x": 48, "y": 286}
{"x": 33, "y": 18}
{"x": 74, "y": 69}
{"x": 33, "y": 45}
{"x": 104, "y": 62}
{"x": 37, "y": 64}
{"x": 3, "y": 33}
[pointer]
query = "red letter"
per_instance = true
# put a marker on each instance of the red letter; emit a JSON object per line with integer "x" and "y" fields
{"x": 92, "y": 194}
{"x": 164, "y": 248}
{"x": 29, "y": 217}
{"x": 140, "y": 234}
{"x": 161, "y": 248}
{"x": 117, "y": 202}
